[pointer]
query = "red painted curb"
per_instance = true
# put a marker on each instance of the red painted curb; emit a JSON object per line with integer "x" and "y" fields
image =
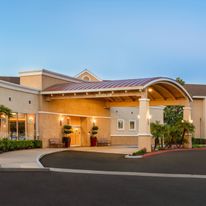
{"x": 172, "y": 150}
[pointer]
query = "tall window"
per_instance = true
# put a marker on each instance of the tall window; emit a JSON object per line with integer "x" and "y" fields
{"x": 120, "y": 124}
{"x": 22, "y": 126}
{"x": 132, "y": 125}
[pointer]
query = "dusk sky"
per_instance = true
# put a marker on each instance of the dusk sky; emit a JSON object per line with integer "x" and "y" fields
{"x": 115, "y": 39}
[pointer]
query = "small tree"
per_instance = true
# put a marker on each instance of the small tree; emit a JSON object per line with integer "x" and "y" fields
{"x": 186, "y": 128}
{"x": 93, "y": 137}
{"x": 67, "y": 130}
{"x": 180, "y": 81}
{"x": 5, "y": 111}
{"x": 94, "y": 131}
{"x": 174, "y": 114}
{"x": 157, "y": 133}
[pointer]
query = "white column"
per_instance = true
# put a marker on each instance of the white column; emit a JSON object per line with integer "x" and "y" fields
{"x": 144, "y": 117}
{"x": 187, "y": 116}
{"x": 144, "y": 135}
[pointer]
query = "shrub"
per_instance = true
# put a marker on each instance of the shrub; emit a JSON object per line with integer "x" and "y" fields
{"x": 67, "y": 129}
{"x": 94, "y": 131}
{"x": 198, "y": 141}
{"x": 10, "y": 145}
{"x": 140, "y": 152}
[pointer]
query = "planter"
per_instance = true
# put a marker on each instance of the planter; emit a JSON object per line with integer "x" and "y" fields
{"x": 93, "y": 141}
{"x": 67, "y": 141}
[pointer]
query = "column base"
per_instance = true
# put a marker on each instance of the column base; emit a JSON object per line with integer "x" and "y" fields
{"x": 188, "y": 143}
{"x": 145, "y": 141}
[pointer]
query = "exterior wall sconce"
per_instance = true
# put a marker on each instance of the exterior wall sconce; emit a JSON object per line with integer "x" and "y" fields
{"x": 31, "y": 120}
{"x": 94, "y": 121}
{"x": 138, "y": 116}
{"x": 61, "y": 119}
{"x": 150, "y": 90}
{"x": 149, "y": 117}
{"x": 68, "y": 120}
{"x": 3, "y": 116}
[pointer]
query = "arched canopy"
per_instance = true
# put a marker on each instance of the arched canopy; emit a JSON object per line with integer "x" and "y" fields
{"x": 157, "y": 88}
{"x": 166, "y": 88}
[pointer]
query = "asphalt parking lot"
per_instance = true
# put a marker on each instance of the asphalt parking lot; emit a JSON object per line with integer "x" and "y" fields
{"x": 186, "y": 162}
{"x": 63, "y": 189}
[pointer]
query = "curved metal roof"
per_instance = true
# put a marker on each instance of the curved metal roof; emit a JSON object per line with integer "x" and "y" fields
{"x": 108, "y": 85}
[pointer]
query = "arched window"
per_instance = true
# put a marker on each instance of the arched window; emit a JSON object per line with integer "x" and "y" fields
{"x": 86, "y": 78}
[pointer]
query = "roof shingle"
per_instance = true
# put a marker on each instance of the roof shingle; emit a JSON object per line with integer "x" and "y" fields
{"x": 196, "y": 89}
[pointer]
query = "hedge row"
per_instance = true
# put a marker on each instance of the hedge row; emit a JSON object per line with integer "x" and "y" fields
{"x": 10, "y": 145}
{"x": 198, "y": 141}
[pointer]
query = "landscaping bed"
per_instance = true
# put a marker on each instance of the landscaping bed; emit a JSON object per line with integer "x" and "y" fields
{"x": 11, "y": 145}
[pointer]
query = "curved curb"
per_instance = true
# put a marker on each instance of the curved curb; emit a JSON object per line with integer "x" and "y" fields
{"x": 118, "y": 173}
{"x": 172, "y": 150}
{"x": 44, "y": 154}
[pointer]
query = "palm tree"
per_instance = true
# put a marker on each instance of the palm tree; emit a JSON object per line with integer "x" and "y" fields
{"x": 157, "y": 133}
{"x": 186, "y": 128}
{"x": 5, "y": 111}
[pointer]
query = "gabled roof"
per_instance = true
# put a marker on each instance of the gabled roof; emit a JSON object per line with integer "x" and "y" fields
{"x": 196, "y": 90}
{"x": 89, "y": 72}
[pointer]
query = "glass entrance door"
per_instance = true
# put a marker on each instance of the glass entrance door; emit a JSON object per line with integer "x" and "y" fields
{"x": 76, "y": 137}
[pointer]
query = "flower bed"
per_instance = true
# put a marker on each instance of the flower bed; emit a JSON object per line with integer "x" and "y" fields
{"x": 11, "y": 145}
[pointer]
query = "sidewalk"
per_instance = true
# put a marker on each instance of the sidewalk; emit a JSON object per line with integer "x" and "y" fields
{"x": 24, "y": 158}
{"x": 29, "y": 158}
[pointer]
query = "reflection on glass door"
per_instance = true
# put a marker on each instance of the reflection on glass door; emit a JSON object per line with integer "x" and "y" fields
{"x": 13, "y": 126}
{"x": 17, "y": 126}
{"x": 76, "y": 136}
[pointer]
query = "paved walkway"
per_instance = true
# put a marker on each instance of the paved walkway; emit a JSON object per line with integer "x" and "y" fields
{"x": 29, "y": 158}
{"x": 24, "y": 158}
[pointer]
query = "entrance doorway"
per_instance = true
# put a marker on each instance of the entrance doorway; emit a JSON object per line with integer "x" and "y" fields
{"x": 76, "y": 136}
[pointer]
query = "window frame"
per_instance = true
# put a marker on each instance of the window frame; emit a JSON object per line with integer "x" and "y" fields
{"x": 123, "y": 128}
{"x": 135, "y": 124}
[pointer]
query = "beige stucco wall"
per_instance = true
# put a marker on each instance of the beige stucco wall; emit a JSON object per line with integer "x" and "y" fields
{"x": 131, "y": 113}
{"x": 124, "y": 140}
{"x": 40, "y": 82}
{"x": 34, "y": 81}
{"x": 198, "y": 116}
{"x": 19, "y": 100}
{"x": 92, "y": 107}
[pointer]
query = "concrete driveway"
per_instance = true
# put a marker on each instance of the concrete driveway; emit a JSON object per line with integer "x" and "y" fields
{"x": 62, "y": 189}
{"x": 186, "y": 162}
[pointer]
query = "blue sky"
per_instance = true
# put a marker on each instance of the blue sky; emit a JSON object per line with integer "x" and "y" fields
{"x": 112, "y": 38}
